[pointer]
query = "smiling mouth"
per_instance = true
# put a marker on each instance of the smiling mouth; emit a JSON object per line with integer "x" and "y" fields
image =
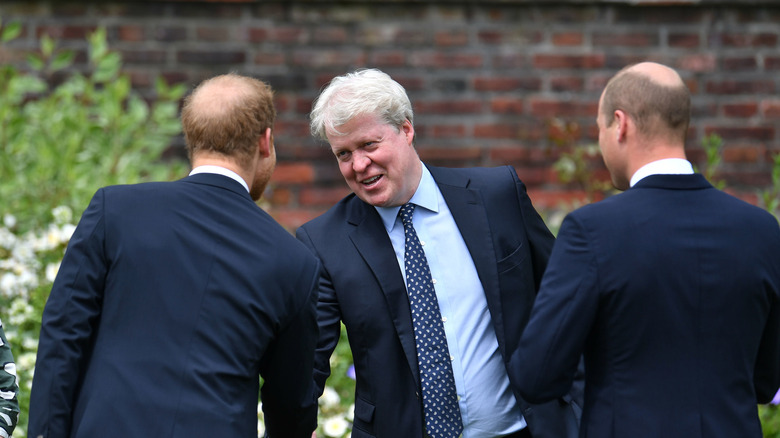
{"x": 371, "y": 181}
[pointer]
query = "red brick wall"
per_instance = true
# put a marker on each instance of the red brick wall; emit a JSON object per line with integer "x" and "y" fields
{"x": 486, "y": 78}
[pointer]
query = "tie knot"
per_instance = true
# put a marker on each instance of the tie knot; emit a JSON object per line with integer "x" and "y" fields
{"x": 406, "y": 213}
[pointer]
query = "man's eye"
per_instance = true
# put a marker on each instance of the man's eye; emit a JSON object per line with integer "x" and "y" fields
{"x": 342, "y": 155}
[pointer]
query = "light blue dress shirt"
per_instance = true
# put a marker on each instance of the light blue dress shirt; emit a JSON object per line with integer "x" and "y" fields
{"x": 487, "y": 403}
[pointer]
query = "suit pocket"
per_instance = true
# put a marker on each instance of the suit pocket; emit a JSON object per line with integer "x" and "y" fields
{"x": 512, "y": 260}
{"x": 363, "y": 425}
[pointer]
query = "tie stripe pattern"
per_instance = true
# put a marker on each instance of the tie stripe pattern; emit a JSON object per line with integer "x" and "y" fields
{"x": 440, "y": 399}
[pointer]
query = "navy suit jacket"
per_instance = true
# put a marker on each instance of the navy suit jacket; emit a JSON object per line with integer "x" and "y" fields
{"x": 171, "y": 300}
{"x": 671, "y": 290}
{"x": 362, "y": 285}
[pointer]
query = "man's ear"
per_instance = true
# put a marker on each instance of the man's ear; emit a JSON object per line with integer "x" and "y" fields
{"x": 266, "y": 143}
{"x": 622, "y": 120}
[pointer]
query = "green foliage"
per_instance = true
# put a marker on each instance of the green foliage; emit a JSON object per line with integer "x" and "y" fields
{"x": 771, "y": 196}
{"x": 60, "y": 143}
{"x": 713, "y": 147}
{"x": 63, "y": 135}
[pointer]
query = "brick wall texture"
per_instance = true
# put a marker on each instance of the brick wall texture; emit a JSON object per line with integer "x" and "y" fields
{"x": 492, "y": 83}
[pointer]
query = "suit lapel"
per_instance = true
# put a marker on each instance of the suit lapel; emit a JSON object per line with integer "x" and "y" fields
{"x": 371, "y": 240}
{"x": 470, "y": 215}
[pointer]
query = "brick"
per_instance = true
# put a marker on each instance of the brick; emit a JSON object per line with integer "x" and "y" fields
{"x": 211, "y": 57}
{"x": 683, "y": 40}
{"x": 567, "y": 38}
{"x": 740, "y": 87}
{"x": 619, "y": 39}
{"x": 152, "y": 57}
{"x": 755, "y": 133}
{"x": 509, "y": 60}
{"x": 388, "y": 58}
{"x": 292, "y": 128}
{"x": 131, "y": 33}
{"x": 495, "y": 130}
{"x": 446, "y": 60}
{"x": 466, "y": 106}
{"x": 746, "y": 109}
{"x": 65, "y": 32}
{"x": 278, "y": 195}
{"x": 330, "y": 35}
{"x": 446, "y": 131}
{"x": 771, "y": 109}
{"x": 449, "y": 85}
{"x": 213, "y": 33}
{"x": 739, "y": 63}
{"x": 507, "y": 84}
{"x": 698, "y": 63}
{"x": 763, "y": 39}
{"x": 327, "y": 58}
{"x": 521, "y": 155}
{"x": 170, "y": 33}
{"x": 567, "y": 83}
{"x": 554, "y": 61}
{"x": 267, "y": 58}
{"x": 258, "y": 35}
{"x": 295, "y": 173}
{"x": 510, "y": 36}
{"x": 449, "y": 153}
{"x": 411, "y": 37}
{"x": 451, "y": 38}
{"x": 288, "y": 35}
{"x": 746, "y": 154}
{"x": 506, "y": 105}
{"x": 675, "y": 14}
{"x": 562, "y": 108}
{"x": 772, "y": 62}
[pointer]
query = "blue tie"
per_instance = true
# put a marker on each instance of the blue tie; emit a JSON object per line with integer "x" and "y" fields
{"x": 440, "y": 399}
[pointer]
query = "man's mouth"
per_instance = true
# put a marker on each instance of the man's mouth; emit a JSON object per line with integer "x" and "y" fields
{"x": 371, "y": 181}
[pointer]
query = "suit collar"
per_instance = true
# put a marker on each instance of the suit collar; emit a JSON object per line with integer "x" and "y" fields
{"x": 695, "y": 181}
{"x": 220, "y": 181}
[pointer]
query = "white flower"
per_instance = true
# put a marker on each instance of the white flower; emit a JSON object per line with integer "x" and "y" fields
{"x": 329, "y": 398}
{"x": 350, "y": 414}
{"x": 62, "y": 214}
{"x": 9, "y": 220}
{"x": 335, "y": 426}
{"x": 66, "y": 232}
{"x": 51, "y": 271}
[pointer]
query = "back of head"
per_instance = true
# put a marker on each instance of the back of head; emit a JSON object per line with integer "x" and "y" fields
{"x": 227, "y": 115}
{"x": 654, "y": 96}
{"x": 368, "y": 91}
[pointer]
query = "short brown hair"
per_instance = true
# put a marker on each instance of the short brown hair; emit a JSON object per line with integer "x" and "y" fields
{"x": 227, "y": 114}
{"x": 657, "y": 109}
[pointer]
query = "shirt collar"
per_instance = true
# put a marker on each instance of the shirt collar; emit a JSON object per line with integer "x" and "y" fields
{"x": 425, "y": 196}
{"x": 667, "y": 166}
{"x": 219, "y": 170}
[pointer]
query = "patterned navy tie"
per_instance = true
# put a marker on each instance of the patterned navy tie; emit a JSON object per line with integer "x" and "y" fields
{"x": 440, "y": 399}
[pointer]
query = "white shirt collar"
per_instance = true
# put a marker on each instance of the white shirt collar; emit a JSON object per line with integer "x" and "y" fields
{"x": 667, "y": 166}
{"x": 219, "y": 170}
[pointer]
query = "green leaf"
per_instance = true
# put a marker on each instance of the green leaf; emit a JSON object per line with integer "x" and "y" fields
{"x": 35, "y": 61}
{"x": 62, "y": 60}
{"x": 11, "y": 31}
{"x": 47, "y": 46}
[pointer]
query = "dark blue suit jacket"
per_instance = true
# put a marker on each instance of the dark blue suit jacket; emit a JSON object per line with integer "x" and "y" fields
{"x": 672, "y": 291}
{"x": 363, "y": 286}
{"x": 171, "y": 300}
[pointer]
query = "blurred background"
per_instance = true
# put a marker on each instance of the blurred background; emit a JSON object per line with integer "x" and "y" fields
{"x": 90, "y": 94}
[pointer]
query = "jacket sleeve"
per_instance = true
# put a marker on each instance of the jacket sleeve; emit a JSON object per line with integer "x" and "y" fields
{"x": 552, "y": 344}
{"x": 70, "y": 319}
{"x": 9, "y": 389}
{"x": 288, "y": 393}
{"x": 766, "y": 376}
{"x": 328, "y": 320}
